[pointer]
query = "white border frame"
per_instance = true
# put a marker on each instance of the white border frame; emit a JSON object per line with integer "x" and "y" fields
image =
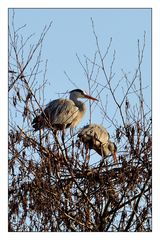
{"x": 4, "y": 5}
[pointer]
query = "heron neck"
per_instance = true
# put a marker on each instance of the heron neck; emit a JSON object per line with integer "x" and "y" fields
{"x": 111, "y": 147}
{"x": 79, "y": 104}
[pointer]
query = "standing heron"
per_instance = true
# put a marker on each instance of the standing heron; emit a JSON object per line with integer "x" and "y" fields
{"x": 62, "y": 113}
{"x": 96, "y": 137}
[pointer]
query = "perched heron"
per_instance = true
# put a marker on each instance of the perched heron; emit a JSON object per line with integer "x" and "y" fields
{"x": 62, "y": 113}
{"x": 96, "y": 137}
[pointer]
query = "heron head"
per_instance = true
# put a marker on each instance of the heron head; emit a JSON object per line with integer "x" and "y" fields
{"x": 113, "y": 149}
{"x": 78, "y": 93}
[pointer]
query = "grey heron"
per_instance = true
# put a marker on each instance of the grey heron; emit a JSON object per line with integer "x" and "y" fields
{"x": 96, "y": 137}
{"x": 62, "y": 113}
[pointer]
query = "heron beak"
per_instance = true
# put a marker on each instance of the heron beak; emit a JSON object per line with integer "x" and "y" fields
{"x": 115, "y": 158}
{"x": 90, "y": 97}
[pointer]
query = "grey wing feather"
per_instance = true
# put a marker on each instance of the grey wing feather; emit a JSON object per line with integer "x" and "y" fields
{"x": 61, "y": 111}
{"x": 95, "y": 131}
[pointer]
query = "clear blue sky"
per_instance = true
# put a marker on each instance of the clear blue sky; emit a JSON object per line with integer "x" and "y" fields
{"x": 71, "y": 33}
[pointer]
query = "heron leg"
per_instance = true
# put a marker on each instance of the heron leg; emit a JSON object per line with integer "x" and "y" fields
{"x": 63, "y": 142}
{"x": 71, "y": 132}
{"x": 63, "y": 135}
{"x": 87, "y": 155}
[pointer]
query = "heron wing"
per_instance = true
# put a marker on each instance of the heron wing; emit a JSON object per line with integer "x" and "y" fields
{"x": 101, "y": 134}
{"x": 95, "y": 132}
{"x": 61, "y": 111}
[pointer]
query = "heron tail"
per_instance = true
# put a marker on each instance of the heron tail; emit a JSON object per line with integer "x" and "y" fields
{"x": 38, "y": 123}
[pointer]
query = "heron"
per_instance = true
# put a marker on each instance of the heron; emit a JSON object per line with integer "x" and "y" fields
{"x": 61, "y": 113}
{"x": 96, "y": 137}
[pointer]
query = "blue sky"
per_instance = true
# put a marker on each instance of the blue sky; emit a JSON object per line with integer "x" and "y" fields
{"x": 71, "y": 33}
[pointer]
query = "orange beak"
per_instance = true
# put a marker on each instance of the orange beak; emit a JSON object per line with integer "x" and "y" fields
{"x": 115, "y": 158}
{"x": 90, "y": 97}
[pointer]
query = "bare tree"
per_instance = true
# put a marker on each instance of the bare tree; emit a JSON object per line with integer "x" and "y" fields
{"x": 56, "y": 185}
